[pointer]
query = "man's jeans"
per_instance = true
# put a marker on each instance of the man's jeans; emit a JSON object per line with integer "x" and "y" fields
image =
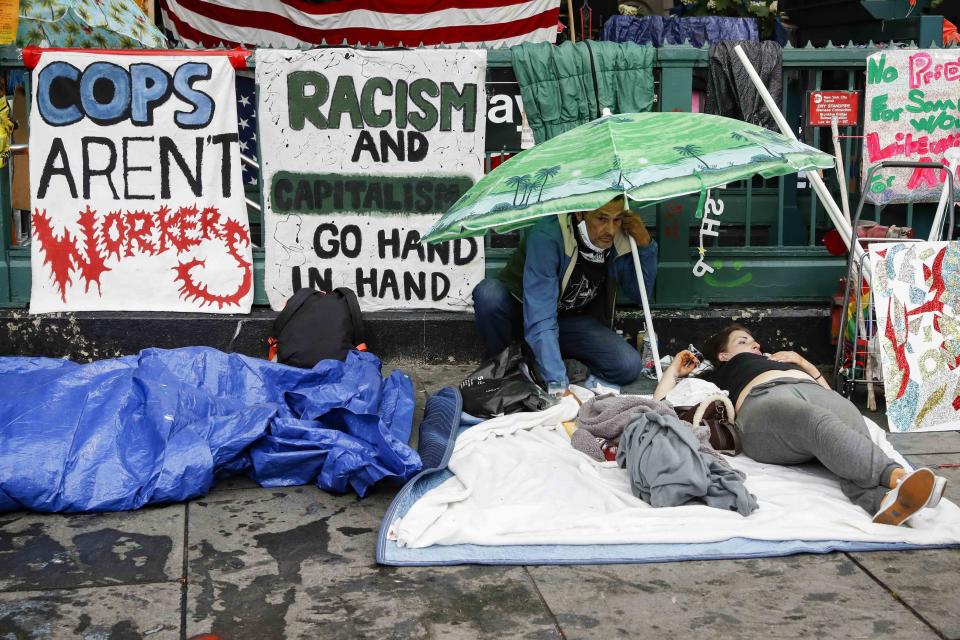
{"x": 499, "y": 320}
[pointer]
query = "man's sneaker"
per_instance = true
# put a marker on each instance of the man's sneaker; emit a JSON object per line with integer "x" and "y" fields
{"x": 914, "y": 492}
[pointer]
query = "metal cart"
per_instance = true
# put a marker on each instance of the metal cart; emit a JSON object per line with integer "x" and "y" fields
{"x": 851, "y": 350}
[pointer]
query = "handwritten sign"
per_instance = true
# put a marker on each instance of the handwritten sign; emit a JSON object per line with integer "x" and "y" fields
{"x": 137, "y": 199}
{"x": 912, "y": 112}
{"x": 708, "y": 227}
{"x": 361, "y": 151}
{"x": 824, "y": 106}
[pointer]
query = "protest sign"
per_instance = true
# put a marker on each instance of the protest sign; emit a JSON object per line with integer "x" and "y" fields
{"x": 911, "y": 113}
{"x": 137, "y": 202}
{"x": 360, "y": 152}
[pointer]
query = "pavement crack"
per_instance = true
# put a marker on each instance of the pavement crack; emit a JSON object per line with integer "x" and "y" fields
{"x": 543, "y": 601}
{"x": 184, "y": 572}
{"x": 896, "y": 597}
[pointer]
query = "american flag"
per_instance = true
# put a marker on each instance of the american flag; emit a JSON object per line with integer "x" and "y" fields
{"x": 247, "y": 122}
{"x": 296, "y": 23}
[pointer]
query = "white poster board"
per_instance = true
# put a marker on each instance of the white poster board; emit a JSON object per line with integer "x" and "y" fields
{"x": 360, "y": 153}
{"x": 137, "y": 200}
{"x": 910, "y": 113}
{"x": 915, "y": 287}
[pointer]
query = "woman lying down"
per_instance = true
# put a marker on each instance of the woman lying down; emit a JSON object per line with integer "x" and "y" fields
{"x": 787, "y": 414}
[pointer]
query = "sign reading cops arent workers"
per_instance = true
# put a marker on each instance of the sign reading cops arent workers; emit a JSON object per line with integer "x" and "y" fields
{"x": 136, "y": 190}
{"x": 912, "y": 112}
{"x": 360, "y": 153}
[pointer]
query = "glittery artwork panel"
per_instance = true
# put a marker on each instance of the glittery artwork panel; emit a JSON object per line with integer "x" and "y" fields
{"x": 916, "y": 287}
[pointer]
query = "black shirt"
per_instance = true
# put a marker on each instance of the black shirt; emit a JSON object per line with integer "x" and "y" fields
{"x": 737, "y": 372}
{"x": 587, "y": 280}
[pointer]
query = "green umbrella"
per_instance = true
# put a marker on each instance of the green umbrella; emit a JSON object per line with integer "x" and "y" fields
{"x": 87, "y": 24}
{"x": 650, "y": 157}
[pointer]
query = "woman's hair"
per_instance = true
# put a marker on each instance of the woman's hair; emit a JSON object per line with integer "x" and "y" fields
{"x": 718, "y": 342}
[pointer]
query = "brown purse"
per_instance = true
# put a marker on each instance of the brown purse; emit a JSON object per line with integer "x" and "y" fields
{"x": 717, "y": 413}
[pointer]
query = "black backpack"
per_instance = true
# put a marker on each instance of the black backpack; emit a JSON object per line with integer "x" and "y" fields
{"x": 315, "y": 326}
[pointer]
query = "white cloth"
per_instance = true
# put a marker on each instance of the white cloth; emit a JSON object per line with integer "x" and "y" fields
{"x": 692, "y": 391}
{"x": 518, "y": 481}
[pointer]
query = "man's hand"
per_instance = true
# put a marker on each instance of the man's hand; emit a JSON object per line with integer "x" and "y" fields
{"x": 633, "y": 225}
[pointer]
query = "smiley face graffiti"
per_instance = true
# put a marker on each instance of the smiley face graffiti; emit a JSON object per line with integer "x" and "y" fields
{"x": 712, "y": 280}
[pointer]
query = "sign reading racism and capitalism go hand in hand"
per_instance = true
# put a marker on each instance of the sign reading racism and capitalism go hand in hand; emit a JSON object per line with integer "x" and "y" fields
{"x": 135, "y": 179}
{"x": 361, "y": 151}
{"x": 912, "y": 112}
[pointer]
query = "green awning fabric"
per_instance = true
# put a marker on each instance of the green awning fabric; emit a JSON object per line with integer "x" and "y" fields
{"x": 561, "y": 86}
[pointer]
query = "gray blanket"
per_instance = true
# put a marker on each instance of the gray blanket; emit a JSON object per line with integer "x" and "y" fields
{"x": 667, "y": 468}
{"x": 601, "y": 422}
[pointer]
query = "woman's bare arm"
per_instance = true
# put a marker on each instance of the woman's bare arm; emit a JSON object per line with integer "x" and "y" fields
{"x": 792, "y": 357}
{"x": 683, "y": 364}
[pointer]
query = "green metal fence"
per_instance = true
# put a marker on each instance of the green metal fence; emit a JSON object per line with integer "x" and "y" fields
{"x": 769, "y": 248}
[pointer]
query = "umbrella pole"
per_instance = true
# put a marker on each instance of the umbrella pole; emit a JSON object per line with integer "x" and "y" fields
{"x": 841, "y": 172}
{"x": 818, "y": 186}
{"x": 646, "y": 308}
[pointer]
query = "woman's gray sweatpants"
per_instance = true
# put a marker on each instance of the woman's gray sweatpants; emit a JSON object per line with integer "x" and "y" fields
{"x": 791, "y": 421}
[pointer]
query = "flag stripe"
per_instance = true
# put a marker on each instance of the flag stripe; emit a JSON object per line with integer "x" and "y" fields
{"x": 209, "y": 23}
{"x": 250, "y": 12}
{"x": 374, "y": 6}
{"x": 188, "y": 34}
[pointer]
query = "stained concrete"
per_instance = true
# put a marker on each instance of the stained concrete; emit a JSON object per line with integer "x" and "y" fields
{"x": 110, "y": 613}
{"x": 923, "y": 581}
{"x": 39, "y": 551}
{"x": 943, "y": 464}
{"x": 934, "y": 442}
{"x": 297, "y": 562}
{"x": 793, "y": 597}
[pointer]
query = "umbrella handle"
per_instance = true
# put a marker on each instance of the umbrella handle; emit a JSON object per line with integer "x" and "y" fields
{"x": 646, "y": 307}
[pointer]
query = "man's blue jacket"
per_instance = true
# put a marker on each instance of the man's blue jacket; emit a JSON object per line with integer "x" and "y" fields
{"x": 546, "y": 260}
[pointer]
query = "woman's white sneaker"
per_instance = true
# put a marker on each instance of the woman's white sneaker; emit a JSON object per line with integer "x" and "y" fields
{"x": 916, "y": 491}
{"x": 940, "y": 485}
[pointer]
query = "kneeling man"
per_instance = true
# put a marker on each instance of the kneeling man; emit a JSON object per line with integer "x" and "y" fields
{"x": 559, "y": 289}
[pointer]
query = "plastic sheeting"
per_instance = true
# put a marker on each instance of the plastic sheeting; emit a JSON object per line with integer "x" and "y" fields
{"x": 699, "y": 30}
{"x": 162, "y": 425}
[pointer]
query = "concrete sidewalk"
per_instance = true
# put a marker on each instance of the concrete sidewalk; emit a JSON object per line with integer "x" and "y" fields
{"x": 298, "y": 563}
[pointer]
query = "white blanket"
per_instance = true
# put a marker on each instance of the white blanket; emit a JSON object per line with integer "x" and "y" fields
{"x": 519, "y": 481}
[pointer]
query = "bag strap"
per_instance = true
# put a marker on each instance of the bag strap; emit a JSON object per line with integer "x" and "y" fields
{"x": 727, "y": 424}
{"x": 709, "y": 400}
{"x": 292, "y": 306}
{"x": 355, "y": 315}
{"x": 735, "y": 436}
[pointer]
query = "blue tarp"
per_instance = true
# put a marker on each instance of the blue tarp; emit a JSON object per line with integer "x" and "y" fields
{"x": 659, "y": 30}
{"x": 160, "y": 426}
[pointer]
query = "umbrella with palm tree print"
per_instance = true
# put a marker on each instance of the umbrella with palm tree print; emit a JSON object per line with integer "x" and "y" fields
{"x": 87, "y": 24}
{"x": 650, "y": 157}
